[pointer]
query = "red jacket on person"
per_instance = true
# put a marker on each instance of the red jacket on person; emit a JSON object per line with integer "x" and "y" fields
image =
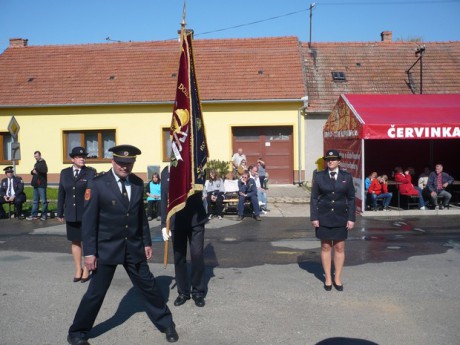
{"x": 378, "y": 188}
{"x": 405, "y": 185}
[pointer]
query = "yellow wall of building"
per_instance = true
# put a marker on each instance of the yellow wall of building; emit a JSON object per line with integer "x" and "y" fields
{"x": 42, "y": 129}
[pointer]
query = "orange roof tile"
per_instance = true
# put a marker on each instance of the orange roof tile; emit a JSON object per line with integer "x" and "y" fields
{"x": 378, "y": 68}
{"x": 227, "y": 69}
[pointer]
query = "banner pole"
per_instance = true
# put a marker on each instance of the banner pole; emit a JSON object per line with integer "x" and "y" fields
{"x": 165, "y": 257}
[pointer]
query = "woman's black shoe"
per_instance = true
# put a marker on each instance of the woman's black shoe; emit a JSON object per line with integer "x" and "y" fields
{"x": 338, "y": 287}
{"x": 327, "y": 287}
{"x": 77, "y": 279}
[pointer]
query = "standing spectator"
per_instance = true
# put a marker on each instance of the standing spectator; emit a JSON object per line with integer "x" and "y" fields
{"x": 247, "y": 191}
{"x": 437, "y": 184}
{"x": 187, "y": 227}
{"x": 214, "y": 194}
{"x": 261, "y": 172}
{"x": 71, "y": 192}
{"x": 153, "y": 191}
{"x": 236, "y": 160}
{"x": 332, "y": 214}
{"x": 115, "y": 232}
{"x": 39, "y": 182}
{"x": 12, "y": 191}
{"x": 261, "y": 192}
{"x": 405, "y": 186}
{"x": 379, "y": 190}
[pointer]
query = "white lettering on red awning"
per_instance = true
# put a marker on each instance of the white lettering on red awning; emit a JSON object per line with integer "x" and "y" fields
{"x": 423, "y": 132}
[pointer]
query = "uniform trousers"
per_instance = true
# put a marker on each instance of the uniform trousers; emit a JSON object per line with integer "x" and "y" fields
{"x": 184, "y": 234}
{"x": 140, "y": 276}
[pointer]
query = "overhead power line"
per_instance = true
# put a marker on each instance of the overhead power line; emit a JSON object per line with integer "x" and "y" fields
{"x": 326, "y": 3}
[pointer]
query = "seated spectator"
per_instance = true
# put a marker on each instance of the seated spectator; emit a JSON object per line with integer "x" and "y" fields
{"x": 405, "y": 186}
{"x": 12, "y": 191}
{"x": 261, "y": 192}
{"x": 214, "y": 194}
{"x": 423, "y": 178}
{"x": 368, "y": 180}
{"x": 422, "y": 182}
{"x": 262, "y": 173}
{"x": 153, "y": 191}
{"x": 243, "y": 167}
{"x": 437, "y": 184}
{"x": 379, "y": 190}
{"x": 247, "y": 191}
{"x": 367, "y": 184}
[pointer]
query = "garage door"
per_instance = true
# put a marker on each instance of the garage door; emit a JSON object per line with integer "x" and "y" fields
{"x": 273, "y": 144}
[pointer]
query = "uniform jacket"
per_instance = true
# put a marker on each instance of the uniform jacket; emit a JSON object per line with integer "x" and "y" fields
{"x": 432, "y": 184}
{"x": 71, "y": 193}
{"x": 249, "y": 188}
{"x": 18, "y": 185}
{"x": 378, "y": 188}
{"x": 109, "y": 228}
{"x": 40, "y": 178}
{"x": 333, "y": 201}
{"x": 405, "y": 185}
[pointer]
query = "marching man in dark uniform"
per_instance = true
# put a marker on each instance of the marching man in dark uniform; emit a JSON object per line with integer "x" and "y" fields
{"x": 72, "y": 187}
{"x": 12, "y": 191}
{"x": 332, "y": 214}
{"x": 187, "y": 227}
{"x": 115, "y": 231}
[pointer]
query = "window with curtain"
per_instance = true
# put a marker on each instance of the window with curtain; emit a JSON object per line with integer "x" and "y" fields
{"x": 166, "y": 145}
{"x": 96, "y": 142}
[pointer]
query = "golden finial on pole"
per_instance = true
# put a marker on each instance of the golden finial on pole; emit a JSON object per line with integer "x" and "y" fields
{"x": 183, "y": 16}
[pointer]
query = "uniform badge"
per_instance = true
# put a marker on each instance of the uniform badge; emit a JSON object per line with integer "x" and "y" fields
{"x": 87, "y": 194}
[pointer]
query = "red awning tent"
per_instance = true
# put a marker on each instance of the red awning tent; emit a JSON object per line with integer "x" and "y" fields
{"x": 379, "y": 132}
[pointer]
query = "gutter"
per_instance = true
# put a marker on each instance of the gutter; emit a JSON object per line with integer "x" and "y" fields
{"x": 286, "y": 100}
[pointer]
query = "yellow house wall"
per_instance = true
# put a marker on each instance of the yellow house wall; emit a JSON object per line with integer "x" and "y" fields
{"x": 42, "y": 129}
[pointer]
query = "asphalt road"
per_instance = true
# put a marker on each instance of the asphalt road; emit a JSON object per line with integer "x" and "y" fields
{"x": 265, "y": 285}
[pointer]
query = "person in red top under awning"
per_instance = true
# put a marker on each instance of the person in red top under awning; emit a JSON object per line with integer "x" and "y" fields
{"x": 379, "y": 190}
{"x": 405, "y": 186}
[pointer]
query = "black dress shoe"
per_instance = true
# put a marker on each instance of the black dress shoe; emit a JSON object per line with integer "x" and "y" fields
{"x": 77, "y": 341}
{"x": 181, "y": 299}
{"x": 199, "y": 301}
{"x": 84, "y": 280}
{"x": 171, "y": 334}
{"x": 338, "y": 287}
{"x": 327, "y": 287}
{"x": 77, "y": 279}
{"x": 257, "y": 218}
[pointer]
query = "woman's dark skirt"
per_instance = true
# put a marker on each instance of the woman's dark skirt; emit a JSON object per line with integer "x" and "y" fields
{"x": 73, "y": 231}
{"x": 333, "y": 234}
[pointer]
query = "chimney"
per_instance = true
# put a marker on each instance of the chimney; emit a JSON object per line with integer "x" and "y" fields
{"x": 18, "y": 42}
{"x": 386, "y": 36}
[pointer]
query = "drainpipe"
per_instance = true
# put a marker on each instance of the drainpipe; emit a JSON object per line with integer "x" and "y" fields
{"x": 299, "y": 135}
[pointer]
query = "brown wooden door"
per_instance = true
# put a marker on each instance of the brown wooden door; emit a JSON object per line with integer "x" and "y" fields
{"x": 273, "y": 144}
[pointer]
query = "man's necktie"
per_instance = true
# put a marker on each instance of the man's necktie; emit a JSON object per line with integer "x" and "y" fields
{"x": 124, "y": 192}
{"x": 333, "y": 175}
{"x": 76, "y": 173}
{"x": 10, "y": 186}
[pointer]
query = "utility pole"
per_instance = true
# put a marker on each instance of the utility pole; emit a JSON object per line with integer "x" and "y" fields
{"x": 311, "y": 17}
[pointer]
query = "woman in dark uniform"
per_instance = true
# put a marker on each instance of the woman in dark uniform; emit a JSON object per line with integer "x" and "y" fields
{"x": 72, "y": 186}
{"x": 332, "y": 214}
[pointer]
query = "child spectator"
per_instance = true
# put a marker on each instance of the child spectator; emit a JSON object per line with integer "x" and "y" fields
{"x": 153, "y": 191}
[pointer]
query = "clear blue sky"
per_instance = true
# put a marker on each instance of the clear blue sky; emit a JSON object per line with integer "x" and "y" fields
{"x": 91, "y": 21}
